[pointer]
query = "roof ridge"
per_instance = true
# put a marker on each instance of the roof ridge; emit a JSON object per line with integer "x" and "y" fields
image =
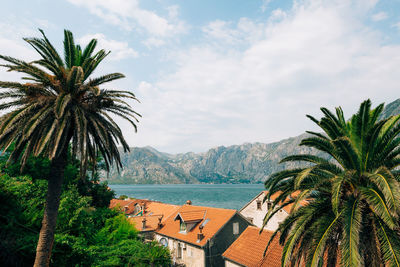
{"x": 192, "y": 211}
{"x": 207, "y": 208}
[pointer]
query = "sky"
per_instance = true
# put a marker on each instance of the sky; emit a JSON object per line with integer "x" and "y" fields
{"x": 225, "y": 72}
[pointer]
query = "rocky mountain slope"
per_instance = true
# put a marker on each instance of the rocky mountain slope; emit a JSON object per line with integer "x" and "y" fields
{"x": 247, "y": 163}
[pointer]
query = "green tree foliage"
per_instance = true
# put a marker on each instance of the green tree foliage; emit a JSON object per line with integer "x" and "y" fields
{"x": 39, "y": 168}
{"x": 350, "y": 208}
{"x": 85, "y": 235}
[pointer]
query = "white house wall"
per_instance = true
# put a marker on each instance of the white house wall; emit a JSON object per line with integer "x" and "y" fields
{"x": 191, "y": 256}
{"x": 257, "y": 216}
{"x": 231, "y": 264}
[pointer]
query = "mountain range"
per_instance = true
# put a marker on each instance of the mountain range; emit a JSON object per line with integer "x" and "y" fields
{"x": 246, "y": 163}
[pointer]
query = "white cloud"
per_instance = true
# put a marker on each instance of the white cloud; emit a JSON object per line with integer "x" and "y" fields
{"x": 224, "y": 32}
{"x": 11, "y": 44}
{"x": 119, "y": 50}
{"x": 379, "y": 16}
{"x": 265, "y": 4}
{"x": 319, "y": 54}
{"x": 128, "y": 15}
{"x": 397, "y": 25}
{"x": 153, "y": 42}
{"x": 277, "y": 14}
{"x": 173, "y": 12}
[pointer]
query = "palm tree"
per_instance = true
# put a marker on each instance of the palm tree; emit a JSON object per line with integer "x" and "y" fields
{"x": 345, "y": 199}
{"x": 57, "y": 108}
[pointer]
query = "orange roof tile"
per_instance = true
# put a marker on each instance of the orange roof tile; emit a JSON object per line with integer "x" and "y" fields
{"x": 192, "y": 216}
{"x": 151, "y": 222}
{"x": 129, "y": 204}
{"x": 249, "y": 248}
{"x": 154, "y": 211}
{"x": 289, "y": 207}
{"x": 119, "y": 203}
{"x": 216, "y": 218}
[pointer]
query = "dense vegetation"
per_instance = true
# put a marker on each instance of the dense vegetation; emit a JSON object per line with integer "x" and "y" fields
{"x": 88, "y": 233}
{"x": 350, "y": 212}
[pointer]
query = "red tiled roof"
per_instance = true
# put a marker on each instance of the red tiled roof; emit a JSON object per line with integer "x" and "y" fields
{"x": 150, "y": 225}
{"x": 216, "y": 218}
{"x": 154, "y": 211}
{"x": 128, "y": 203}
{"x": 249, "y": 248}
{"x": 192, "y": 216}
{"x": 119, "y": 203}
{"x": 289, "y": 207}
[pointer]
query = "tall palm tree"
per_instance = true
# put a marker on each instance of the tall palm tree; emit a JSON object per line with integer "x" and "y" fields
{"x": 345, "y": 204}
{"x": 59, "y": 107}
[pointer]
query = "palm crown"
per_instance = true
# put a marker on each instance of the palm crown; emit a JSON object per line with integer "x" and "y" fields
{"x": 350, "y": 196}
{"x": 59, "y": 104}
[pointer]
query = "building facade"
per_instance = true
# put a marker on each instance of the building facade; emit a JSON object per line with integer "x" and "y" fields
{"x": 256, "y": 209}
{"x": 197, "y": 236}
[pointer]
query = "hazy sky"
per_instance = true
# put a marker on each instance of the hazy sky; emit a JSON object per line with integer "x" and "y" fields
{"x": 223, "y": 72}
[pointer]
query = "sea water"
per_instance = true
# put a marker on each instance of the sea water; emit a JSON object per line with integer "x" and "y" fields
{"x": 228, "y": 196}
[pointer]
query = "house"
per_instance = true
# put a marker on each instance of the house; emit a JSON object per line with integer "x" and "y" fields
{"x": 151, "y": 217}
{"x": 256, "y": 209}
{"x": 197, "y": 235}
{"x": 248, "y": 250}
{"x": 130, "y": 206}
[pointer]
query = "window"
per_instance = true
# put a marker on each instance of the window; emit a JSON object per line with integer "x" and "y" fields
{"x": 179, "y": 251}
{"x": 190, "y": 252}
{"x": 182, "y": 227}
{"x": 259, "y": 204}
{"x": 164, "y": 242}
{"x": 205, "y": 222}
{"x": 137, "y": 209}
{"x": 269, "y": 205}
{"x": 236, "y": 228}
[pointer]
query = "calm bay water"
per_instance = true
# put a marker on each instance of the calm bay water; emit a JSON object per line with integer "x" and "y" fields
{"x": 229, "y": 196}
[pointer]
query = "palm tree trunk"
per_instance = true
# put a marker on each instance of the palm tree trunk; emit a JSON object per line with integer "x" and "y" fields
{"x": 49, "y": 222}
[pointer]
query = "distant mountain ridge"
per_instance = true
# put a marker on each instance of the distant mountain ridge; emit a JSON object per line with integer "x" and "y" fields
{"x": 246, "y": 163}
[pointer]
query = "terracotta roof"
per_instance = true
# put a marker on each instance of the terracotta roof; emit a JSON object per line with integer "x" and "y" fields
{"x": 119, "y": 203}
{"x": 154, "y": 211}
{"x": 191, "y": 216}
{"x": 213, "y": 221}
{"x": 128, "y": 203}
{"x": 151, "y": 222}
{"x": 287, "y": 208}
{"x": 249, "y": 248}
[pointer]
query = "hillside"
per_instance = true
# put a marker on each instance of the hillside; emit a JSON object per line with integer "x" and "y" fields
{"x": 246, "y": 163}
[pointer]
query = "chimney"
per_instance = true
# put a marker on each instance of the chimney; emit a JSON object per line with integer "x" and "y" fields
{"x": 144, "y": 223}
{"x": 159, "y": 222}
{"x": 126, "y": 209}
{"x": 200, "y": 235}
{"x": 189, "y": 202}
{"x": 143, "y": 207}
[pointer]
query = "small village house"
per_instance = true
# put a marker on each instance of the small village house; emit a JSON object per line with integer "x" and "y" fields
{"x": 197, "y": 236}
{"x": 256, "y": 209}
